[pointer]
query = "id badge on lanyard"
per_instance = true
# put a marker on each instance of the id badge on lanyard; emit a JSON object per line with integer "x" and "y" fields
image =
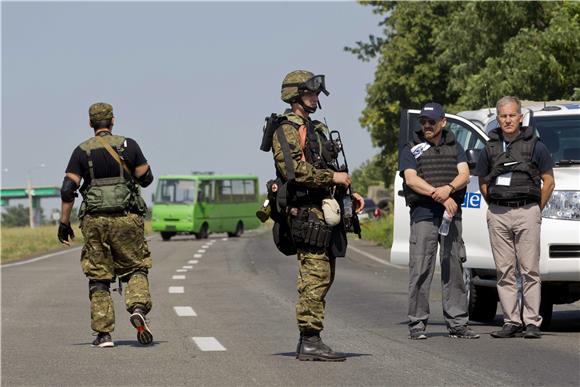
{"x": 505, "y": 179}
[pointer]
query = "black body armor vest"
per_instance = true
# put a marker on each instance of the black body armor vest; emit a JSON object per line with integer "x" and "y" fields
{"x": 525, "y": 183}
{"x": 437, "y": 166}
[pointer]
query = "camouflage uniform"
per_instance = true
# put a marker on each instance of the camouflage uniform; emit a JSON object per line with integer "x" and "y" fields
{"x": 115, "y": 246}
{"x": 315, "y": 268}
{"x": 114, "y": 243}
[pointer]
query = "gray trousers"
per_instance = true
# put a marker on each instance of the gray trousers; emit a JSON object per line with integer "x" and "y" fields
{"x": 422, "y": 255}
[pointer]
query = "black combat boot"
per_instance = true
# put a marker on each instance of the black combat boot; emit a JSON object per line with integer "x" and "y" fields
{"x": 312, "y": 348}
{"x": 298, "y": 346}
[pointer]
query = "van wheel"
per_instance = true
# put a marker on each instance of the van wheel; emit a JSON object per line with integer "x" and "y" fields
{"x": 239, "y": 230}
{"x": 166, "y": 235}
{"x": 546, "y": 309}
{"x": 482, "y": 303}
{"x": 203, "y": 232}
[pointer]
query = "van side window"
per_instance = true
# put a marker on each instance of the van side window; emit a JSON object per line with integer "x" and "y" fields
{"x": 464, "y": 135}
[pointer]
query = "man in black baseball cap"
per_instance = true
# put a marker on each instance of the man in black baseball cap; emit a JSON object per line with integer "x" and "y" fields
{"x": 435, "y": 172}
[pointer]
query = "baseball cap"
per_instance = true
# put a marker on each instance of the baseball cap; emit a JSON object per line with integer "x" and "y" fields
{"x": 100, "y": 111}
{"x": 432, "y": 110}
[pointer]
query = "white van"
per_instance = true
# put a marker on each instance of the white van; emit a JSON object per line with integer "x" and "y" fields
{"x": 558, "y": 126}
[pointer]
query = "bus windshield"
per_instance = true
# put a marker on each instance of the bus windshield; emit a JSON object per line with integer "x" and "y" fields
{"x": 173, "y": 191}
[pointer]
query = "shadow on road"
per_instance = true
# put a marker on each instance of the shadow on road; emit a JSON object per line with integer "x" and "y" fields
{"x": 347, "y": 354}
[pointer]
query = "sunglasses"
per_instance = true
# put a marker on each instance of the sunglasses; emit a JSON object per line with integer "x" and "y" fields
{"x": 423, "y": 121}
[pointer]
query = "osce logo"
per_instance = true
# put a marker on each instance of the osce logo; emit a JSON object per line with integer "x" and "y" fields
{"x": 472, "y": 200}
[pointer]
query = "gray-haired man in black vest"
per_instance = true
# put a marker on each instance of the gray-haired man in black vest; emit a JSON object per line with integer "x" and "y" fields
{"x": 435, "y": 172}
{"x": 516, "y": 179}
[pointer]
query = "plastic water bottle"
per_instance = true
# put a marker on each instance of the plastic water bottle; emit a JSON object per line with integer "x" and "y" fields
{"x": 445, "y": 223}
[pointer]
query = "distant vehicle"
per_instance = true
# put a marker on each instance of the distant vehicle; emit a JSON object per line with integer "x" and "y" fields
{"x": 204, "y": 204}
{"x": 371, "y": 211}
{"x": 558, "y": 126}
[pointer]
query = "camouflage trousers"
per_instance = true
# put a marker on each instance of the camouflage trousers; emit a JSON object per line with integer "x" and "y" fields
{"x": 315, "y": 276}
{"x": 115, "y": 246}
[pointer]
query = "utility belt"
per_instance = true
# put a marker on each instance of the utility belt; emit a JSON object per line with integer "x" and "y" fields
{"x": 513, "y": 203}
{"x": 308, "y": 230}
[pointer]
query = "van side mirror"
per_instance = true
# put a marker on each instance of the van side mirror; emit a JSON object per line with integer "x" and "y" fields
{"x": 153, "y": 198}
{"x": 472, "y": 157}
{"x": 200, "y": 196}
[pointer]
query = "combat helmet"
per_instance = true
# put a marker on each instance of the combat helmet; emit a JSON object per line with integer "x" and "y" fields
{"x": 298, "y": 81}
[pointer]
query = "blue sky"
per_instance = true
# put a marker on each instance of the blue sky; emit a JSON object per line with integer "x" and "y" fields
{"x": 190, "y": 81}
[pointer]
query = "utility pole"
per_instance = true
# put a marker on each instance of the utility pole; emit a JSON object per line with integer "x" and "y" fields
{"x": 30, "y": 202}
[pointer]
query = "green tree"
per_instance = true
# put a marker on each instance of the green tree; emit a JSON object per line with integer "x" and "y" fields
{"x": 463, "y": 54}
{"x": 369, "y": 173}
{"x": 15, "y": 216}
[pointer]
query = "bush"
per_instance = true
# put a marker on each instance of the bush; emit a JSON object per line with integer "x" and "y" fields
{"x": 380, "y": 231}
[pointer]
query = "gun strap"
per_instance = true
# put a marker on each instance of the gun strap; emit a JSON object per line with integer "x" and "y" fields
{"x": 290, "y": 173}
{"x": 114, "y": 154}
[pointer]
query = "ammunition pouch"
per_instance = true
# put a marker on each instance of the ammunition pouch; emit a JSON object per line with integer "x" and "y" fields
{"x": 139, "y": 206}
{"x": 309, "y": 232}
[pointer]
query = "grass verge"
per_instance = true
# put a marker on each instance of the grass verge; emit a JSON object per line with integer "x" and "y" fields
{"x": 379, "y": 231}
{"x": 21, "y": 242}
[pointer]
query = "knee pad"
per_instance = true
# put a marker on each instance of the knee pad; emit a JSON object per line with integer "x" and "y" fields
{"x": 98, "y": 285}
{"x": 142, "y": 272}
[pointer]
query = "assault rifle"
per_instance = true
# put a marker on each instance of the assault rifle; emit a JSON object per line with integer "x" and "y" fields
{"x": 333, "y": 149}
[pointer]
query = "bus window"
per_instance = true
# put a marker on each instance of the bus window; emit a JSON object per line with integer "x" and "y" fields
{"x": 175, "y": 191}
{"x": 225, "y": 190}
{"x": 208, "y": 189}
{"x": 250, "y": 190}
{"x": 238, "y": 191}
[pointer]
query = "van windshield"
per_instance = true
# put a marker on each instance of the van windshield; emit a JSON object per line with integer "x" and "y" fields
{"x": 561, "y": 134}
{"x": 173, "y": 191}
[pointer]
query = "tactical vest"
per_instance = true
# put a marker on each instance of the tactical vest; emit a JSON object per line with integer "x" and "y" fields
{"x": 314, "y": 141}
{"x": 437, "y": 166}
{"x": 525, "y": 182}
{"x": 110, "y": 195}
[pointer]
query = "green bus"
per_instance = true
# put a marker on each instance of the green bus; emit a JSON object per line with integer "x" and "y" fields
{"x": 204, "y": 204}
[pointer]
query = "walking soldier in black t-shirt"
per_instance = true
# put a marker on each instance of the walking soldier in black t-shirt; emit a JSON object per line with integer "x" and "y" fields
{"x": 111, "y": 168}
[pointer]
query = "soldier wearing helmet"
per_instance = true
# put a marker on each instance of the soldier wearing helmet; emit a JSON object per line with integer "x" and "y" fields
{"x": 307, "y": 180}
{"x": 111, "y": 168}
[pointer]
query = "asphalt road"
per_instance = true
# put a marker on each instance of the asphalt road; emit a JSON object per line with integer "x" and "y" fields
{"x": 233, "y": 324}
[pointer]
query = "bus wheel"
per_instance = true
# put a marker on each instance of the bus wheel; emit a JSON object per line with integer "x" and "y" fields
{"x": 239, "y": 230}
{"x": 166, "y": 235}
{"x": 204, "y": 232}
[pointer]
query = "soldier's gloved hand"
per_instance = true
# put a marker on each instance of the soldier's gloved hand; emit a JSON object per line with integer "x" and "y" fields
{"x": 64, "y": 231}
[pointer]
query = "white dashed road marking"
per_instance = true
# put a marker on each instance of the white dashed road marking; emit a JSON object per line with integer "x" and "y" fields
{"x": 197, "y": 255}
{"x": 224, "y": 239}
{"x": 176, "y": 289}
{"x": 188, "y": 267}
{"x": 184, "y": 311}
{"x": 180, "y": 270}
{"x": 178, "y": 277}
{"x": 208, "y": 344}
{"x": 205, "y": 247}
{"x": 193, "y": 261}
{"x": 201, "y": 251}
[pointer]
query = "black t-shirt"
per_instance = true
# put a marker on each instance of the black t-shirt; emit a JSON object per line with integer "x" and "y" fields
{"x": 426, "y": 211}
{"x": 104, "y": 165}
